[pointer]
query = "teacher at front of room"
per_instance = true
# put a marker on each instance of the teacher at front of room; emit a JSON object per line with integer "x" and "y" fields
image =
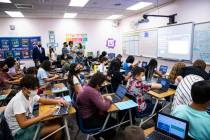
{"x": 38, "y": 54}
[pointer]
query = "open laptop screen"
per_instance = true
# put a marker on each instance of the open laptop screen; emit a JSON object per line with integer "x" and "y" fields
{"x": 172, "y": 126}
{"x": 163, "y": 69}
{"x": 121, "y": 91}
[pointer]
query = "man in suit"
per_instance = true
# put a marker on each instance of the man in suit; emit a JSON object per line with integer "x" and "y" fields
{"x": 38, "y": 54}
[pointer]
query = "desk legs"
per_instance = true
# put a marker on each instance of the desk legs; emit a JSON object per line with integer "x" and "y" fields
{"x": 107, "y": 118}
{"x": 66, "y": 127}
{"x": 153, "y": 111}
{"x": 130, "y": 117}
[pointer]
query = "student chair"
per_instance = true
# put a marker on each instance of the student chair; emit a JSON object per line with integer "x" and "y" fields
{"x": 89, "y": 132}
{"x": 5, "y": 132}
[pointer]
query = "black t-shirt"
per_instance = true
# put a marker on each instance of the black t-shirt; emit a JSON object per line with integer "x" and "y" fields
{"x": 194, "y": 70}
{"x": 116, "y": 79}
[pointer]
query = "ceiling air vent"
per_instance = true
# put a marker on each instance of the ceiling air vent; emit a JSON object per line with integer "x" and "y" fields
{"x": 24, "y": 6}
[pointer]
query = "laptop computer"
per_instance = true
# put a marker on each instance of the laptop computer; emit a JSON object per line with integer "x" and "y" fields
{"x": 168, "y": 127}
{"x": 165, "y": 85}
{"x": 143, "y": 64}
{"x": 63, "y": 110}
{"x": 163, "y": 69}
{"x": 120, "y": 93}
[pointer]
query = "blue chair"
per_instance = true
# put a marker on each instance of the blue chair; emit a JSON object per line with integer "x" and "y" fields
{"x": 89, "y": 132}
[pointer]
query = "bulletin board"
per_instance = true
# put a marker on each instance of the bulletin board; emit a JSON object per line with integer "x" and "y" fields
{"x": 77, "y": 38}
{"x": 17, "y": 46}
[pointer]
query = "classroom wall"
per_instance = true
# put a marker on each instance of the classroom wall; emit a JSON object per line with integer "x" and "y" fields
{"x": 98, "y": 31}
{"x": 188, "y": 11}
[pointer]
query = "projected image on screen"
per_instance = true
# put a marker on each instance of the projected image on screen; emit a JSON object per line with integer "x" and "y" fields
{"x": 173, "y": 43}
{"x": 178, "y": 47}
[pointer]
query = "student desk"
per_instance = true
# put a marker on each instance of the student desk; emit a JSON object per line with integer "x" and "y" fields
{"x": 160, "y": 96}
{"x": 59, "y": 85}
{"x": 148, "y": 131}
{"x": 45, "y": 108}
{"x": 113, "y": 109}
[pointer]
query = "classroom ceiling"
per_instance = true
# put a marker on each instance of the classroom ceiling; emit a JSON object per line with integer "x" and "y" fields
{"x": 94, "y": 9}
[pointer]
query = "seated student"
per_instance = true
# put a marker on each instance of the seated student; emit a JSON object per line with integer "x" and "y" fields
{"x": 198, "y": 68}
{"x": 128, "y": 64}
{"x": 80, "y": 48}
{"x": 43, "y": 74}
{"x": 136, "y": 88}
{"x": 67, "y": 64}
{"x": 196, "y": 113}
{"x": 74, "y": 78}
{"x": 131, "y": 133}
{"x": 151, "y": 69}
{"x": 182, "y": 95}
{"x": 117, "y": 59}
{"x": 101, "y": 67}
{"x": 175, "y": 71}
{"x": 13, "y": 71}
{"x": 117, "y": 77}
{"x": 93, "y": 107}
{"x": 18, "y": 112}
{"x": 5, "y": 80}
{"x": 79, "y": 58}
{"x": 103, "y": 54}
{"x": 64, "y": 59}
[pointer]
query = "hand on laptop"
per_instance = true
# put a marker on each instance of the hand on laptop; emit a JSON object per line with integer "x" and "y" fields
{"x": 108, "y": 98}
{"x": 62, "y": 102}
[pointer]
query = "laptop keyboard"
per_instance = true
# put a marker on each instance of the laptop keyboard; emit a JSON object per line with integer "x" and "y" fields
{"x": 62, "y": 110}
{"x": 157, "y": 136}
{"x": 159, "y": 90}
{"x": 115, "y": 99}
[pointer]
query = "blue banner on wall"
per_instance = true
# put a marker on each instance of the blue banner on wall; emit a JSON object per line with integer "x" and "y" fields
{"x": 17, "y": 46}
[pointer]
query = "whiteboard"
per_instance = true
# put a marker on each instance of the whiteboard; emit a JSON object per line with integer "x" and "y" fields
{"x": 148, "y": 42}
{"x": 201, "y": 45}
{"x": 130, "y": 44}
{"x": 175, "y": 42}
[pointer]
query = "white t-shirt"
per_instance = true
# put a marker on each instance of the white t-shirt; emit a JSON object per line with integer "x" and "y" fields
{"x": 41, "y": 75}
{"x": 183, "y": 91}
{"x": 76, "y": 80}
{"x": 18, "y": 105}
{"x": 101, "y": 68}
{"x": 12, "y": 71}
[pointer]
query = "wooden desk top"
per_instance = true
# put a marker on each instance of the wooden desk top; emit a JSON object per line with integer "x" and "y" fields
{"x": 162, "y": 95}
{"x": 49, "y": 91}
{"x": 44, "y": 108}
{"x": 148, "y": 131}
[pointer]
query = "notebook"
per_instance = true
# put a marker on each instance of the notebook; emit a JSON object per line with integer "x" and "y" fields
{"x": 170, "y": 128}
{"x": 126, "y": 104}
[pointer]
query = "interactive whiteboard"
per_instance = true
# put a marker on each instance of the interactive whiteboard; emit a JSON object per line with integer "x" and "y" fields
{"x": 175, "y": 42}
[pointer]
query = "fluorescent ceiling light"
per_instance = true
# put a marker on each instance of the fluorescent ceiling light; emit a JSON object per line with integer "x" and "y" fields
{"x": 14, "y": 13}
{"x": 114, "y": 17}
{"x": 70, "y": 15}
{"x": 5, "y": 1}
{"x": 139, "y": 6}
{"x": 78, "y": 3}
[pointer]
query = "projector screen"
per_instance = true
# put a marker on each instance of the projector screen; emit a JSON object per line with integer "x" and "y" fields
{"x": 175, "y": 42}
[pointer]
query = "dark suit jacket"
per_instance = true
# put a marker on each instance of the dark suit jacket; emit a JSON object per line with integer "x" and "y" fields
{"x": 37, "y": 55}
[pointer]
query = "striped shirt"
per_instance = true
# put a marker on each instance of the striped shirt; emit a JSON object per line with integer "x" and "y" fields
{"x": 183, "y": 91}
